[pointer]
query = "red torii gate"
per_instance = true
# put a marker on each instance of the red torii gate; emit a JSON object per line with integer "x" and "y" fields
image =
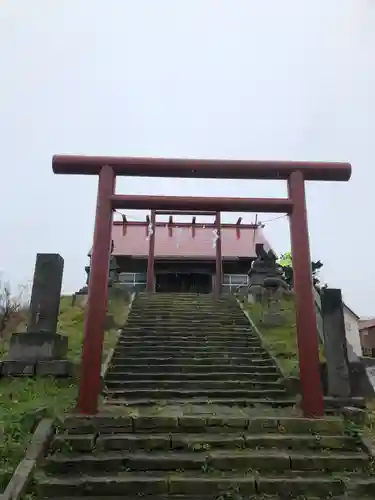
{"x": 296, "y": 173}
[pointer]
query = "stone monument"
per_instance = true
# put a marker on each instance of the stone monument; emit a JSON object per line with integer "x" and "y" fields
{"x": 113, "y": 275}
{"x": 335, "y": 349}
{"x": 113, "y": 271}
{"x": 345, "y": 375}
{"x": 267, "y": 285}
{"x": 41, "y": 350}
{"x": 264, "y": 266}
{"x": 264, "y": 270}
{"x": 46, "y": 293}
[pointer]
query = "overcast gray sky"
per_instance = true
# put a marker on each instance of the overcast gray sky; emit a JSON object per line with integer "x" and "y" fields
{"x": 246, "y": 79}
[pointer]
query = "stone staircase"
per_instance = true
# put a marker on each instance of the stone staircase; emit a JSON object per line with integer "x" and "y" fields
{"x": 191, "y": 349}
{"x": 195, "y": 410}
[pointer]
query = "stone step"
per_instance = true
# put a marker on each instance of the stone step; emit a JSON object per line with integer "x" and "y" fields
{"x": 182, "y": 353}
{"x": 198, "y": 309}
{"x": 194, "y": 337}
{"x": 146, "y": 423}
{"x": 162, "y": 313}
{"x": 190, "y": 310}
{"x": 162, "y": 497}
{"x": 179, "y": 327}
{"x": 186, "y": 309}
{"x": 166, "y": 308}
{"x": 169, "y": 303}
{"x": 209, "y": 394}
{"x": 220, "y": 312}
{"x": 227, "y": 485}
{"x": 146, "y": 374}
{"x": 187, "y": 331}
{"x": 206, "y": 441}
{"x": 241, "y": 422}
{"x": 206, "y": 321}
{"x": 192, "y": 385}
{"x": 198, "y": 325}
{"x": 201, "y": 351}
{"x": 190, "y": 319}
{"x": 198, "y": 343}
{"x": 228, "y": 402}
{"x": 191, "y": 339}
{"x": 180, "y": 297}
{"x": 246, "y": 362}
{"x": 181, "y": 368}
{"x": 159, "y": 497}
{"x": 169, "y": 306}
{"x": 191, "y": 314}
{"x": 204, "y": 345}
{"x": 125, "y": 341}
{"x": 195, "y": 341}
{"x": 219, "y": 460}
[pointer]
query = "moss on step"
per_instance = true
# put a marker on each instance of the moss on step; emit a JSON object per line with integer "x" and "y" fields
{"x": 168, "y": 409}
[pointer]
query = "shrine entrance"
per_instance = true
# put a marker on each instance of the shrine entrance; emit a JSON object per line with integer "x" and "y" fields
{"x": 295, "y": 173}
{"x": 183, "y": 283}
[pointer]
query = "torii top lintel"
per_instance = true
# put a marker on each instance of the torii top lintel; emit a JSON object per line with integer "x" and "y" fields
{"x": 195, "y": 168}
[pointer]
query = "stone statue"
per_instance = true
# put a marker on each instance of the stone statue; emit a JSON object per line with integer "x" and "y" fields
{"x": 266, "y": 281}
{"x": 113, "y": 271}
{"x": 263, "y": 266}
{"x": 113, "y": 274}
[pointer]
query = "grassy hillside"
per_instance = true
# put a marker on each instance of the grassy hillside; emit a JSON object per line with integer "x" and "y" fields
{"x": 281, "y": 341}
{"x": 282, "y": 344}
{"x": 22, "y": 400}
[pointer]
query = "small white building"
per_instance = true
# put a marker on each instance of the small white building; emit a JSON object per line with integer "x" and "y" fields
{"x": 352, "y": 329}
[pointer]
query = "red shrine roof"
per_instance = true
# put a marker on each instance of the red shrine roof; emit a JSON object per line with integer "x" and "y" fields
{"x": 180, "y": 240}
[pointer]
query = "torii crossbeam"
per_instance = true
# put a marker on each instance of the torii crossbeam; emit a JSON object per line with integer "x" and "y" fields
{"x": 296, "y": 173}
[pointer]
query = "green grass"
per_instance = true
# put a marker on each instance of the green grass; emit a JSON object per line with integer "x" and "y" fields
{"x": 281, "y": 341}
{"x": 71, "y": 324}
{"x": 24, "y": 400}
{"x": 368, "y": 428}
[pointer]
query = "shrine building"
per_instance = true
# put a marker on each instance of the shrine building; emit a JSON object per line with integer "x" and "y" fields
{"x": 184, "y": 254}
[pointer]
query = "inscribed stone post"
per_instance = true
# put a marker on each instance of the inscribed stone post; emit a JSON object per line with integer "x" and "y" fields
{"x": 46, "y": 293}
{"x": 335, "y": 343}
{"x": 41, "y": 350}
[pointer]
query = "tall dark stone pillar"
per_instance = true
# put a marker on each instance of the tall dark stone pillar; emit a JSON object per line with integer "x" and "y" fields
{"x": 46, "y": 293}
{"x": 346, "y": 374}
{"x": 335, "y": 343}
{"x": 41, "y": 350}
